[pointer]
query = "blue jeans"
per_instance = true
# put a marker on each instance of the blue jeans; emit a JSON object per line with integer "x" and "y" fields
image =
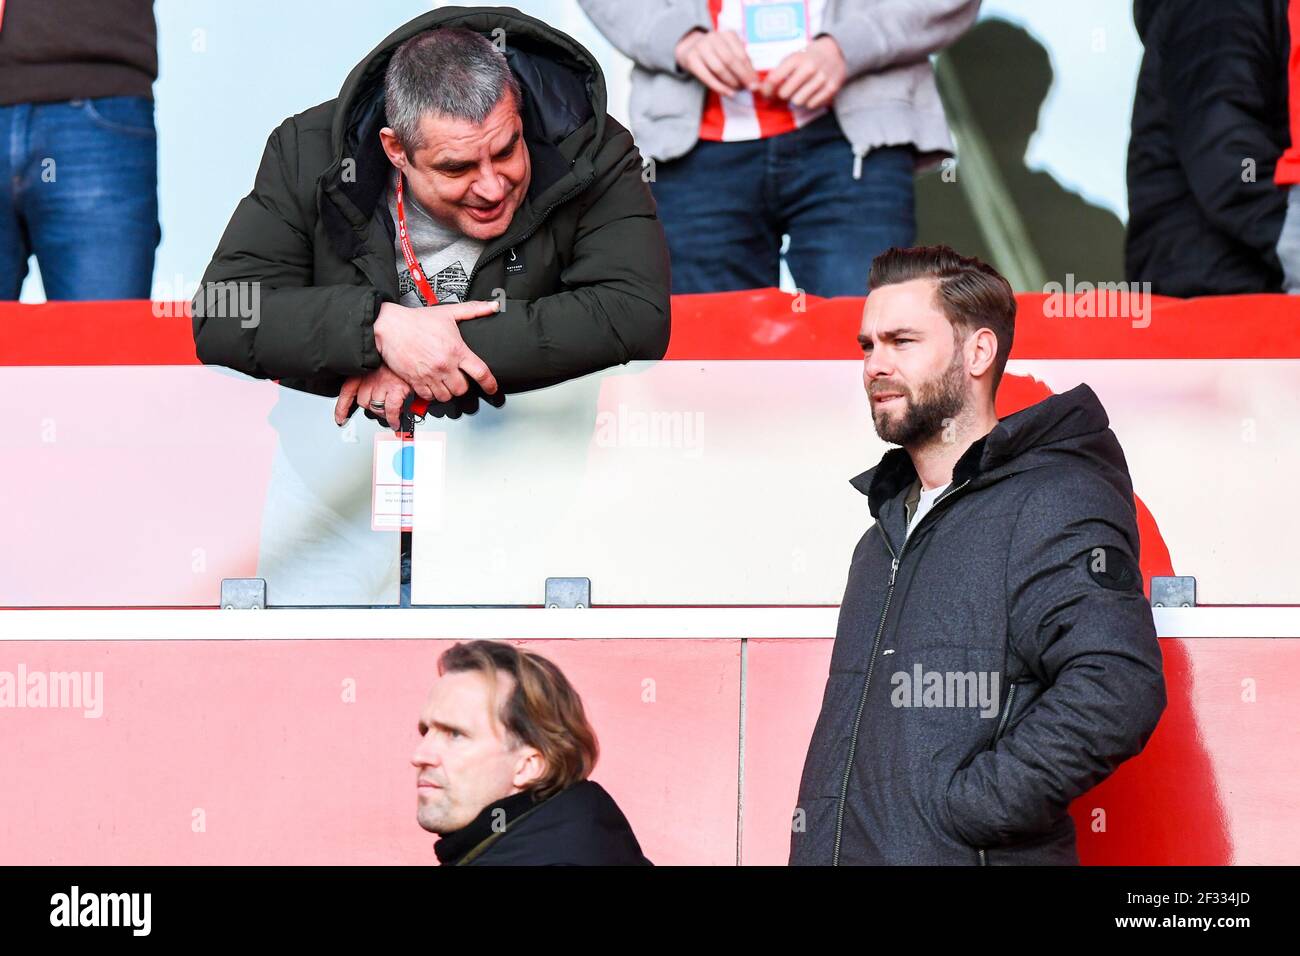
{"x": 80, "y": 190}
{"x": 725, "y": 207}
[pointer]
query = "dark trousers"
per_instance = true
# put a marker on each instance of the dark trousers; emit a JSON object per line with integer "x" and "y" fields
{"x": 726, "y": 206}
{"x": 81, "y": 192}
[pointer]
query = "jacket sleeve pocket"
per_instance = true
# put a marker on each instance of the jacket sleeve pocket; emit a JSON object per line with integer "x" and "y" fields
{"x": 1094, "y": 643}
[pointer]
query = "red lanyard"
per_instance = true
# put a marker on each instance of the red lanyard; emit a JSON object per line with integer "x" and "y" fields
{"x": 413, "y": 264}
{"x": 420, "y": 405}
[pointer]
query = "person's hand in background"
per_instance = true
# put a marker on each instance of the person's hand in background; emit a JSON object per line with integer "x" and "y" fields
{"x": 383, "y": 387}
{"x": 425, "y": 349}
{"x": 809, "y": 78}
{"x": 718, "y": 59}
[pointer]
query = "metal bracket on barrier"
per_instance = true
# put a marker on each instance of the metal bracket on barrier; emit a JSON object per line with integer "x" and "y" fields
{"x": 243, "y": 594}
{"x": 568, "y": 592}
{"x": 1176, "y": 591}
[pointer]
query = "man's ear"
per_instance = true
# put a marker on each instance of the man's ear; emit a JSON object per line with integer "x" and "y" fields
{"x": 529, "y": 768}
{"x": 393, "y": 148}
{"x": 983, "y": 350}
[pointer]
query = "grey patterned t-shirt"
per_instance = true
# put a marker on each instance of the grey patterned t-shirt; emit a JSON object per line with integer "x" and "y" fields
{"x": 446, "y": 256}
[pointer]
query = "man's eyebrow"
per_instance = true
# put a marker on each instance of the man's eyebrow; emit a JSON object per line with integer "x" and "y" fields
{"x": 439, "y": 725}
{"x": 453, "y": 165}
{"x": 865, "y": 340}
{"x": 508, "y": 147}
{"x": 459, "y": 165}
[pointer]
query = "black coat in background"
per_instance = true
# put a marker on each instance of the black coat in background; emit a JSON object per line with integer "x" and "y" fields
{"x": 579, "y": 826}
{"x": 1211, "y": 94}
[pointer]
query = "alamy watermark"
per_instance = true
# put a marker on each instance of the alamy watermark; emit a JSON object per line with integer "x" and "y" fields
{"x": 236, "y": 299}
{"x": 60, "y": 690}
{"x": 230, "y": 300}
{"x": 75, "y": 908}
{"x": 633, "y": 428}
{"x": 922, "y": 688}
{"x": 1100, "y": 300}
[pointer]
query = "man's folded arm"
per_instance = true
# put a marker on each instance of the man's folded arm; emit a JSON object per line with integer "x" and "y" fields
{"x": 876, "y": 36}
{"x": 615, "y": 305}
{"x": 1097, "y": 653}
{"x": 257, "y": 310}
{"x": 648, "y": 33}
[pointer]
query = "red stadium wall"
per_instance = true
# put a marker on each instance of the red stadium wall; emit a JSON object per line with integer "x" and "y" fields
{"x": 254, "y": 733}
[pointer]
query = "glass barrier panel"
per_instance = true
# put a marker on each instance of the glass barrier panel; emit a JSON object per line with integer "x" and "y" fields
{"x": 704, "y": 482}
{"x": 726, "y": 482}
{"x": 146, "y": 485}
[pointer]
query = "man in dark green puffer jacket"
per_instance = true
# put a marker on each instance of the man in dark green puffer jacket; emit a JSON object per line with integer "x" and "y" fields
{"x": 562, "y": 266}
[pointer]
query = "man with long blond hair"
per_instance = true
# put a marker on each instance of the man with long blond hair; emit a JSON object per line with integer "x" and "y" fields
{"x": 502, "y": 765}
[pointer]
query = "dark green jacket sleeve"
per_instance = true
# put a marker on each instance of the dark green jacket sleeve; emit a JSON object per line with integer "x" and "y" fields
{"x": 288, "y": 328}
{"x": 614, "y": 306}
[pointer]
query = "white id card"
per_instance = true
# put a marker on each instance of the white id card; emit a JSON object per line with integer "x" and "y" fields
{"x": 398, "y": 466}
{"x": 773, "y": 29}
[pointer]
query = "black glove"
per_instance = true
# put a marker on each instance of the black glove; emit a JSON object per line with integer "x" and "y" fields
{"x": 459, "y": 405}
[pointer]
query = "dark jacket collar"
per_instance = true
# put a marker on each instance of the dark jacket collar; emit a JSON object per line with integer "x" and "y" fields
{"x": 895, "y": 473}
{"x": 453, "y": 846}
{"x": 563, "y": 115}
{"x": 1071, "y": 425}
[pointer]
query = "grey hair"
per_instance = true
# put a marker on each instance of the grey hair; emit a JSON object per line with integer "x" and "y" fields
{"x": 448, "y": 72}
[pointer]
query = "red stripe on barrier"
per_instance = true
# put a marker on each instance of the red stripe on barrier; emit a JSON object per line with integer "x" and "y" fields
{"x": 768, "y": 324}
{"x": 96, "y": 333}
{"x": 757, "y": 324}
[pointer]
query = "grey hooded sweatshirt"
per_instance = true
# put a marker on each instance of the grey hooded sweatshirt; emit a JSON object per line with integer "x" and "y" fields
{"x": 889, "y": 97}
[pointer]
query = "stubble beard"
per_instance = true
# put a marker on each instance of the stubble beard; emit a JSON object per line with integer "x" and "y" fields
{"x": 432, "y": 816}
{"x": 937, "y": 403}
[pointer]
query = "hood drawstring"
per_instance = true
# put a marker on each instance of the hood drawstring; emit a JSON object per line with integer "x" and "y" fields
{"x": 857, "y": 164}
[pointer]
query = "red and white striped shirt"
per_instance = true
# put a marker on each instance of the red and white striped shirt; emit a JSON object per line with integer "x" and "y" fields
{"x": 1288, "y": 165}
{"x": 746, "y": 115}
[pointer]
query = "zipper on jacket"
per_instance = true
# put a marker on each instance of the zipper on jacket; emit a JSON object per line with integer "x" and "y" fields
{"x": 583, "y": 184}
{"x": 1006, "y": 715}
{"x": 871, "y": 663}
{"x": 862, "y": 702}
{"x": 1002, "y": 725}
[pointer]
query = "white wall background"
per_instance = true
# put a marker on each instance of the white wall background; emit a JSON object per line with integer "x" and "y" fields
{"x": 231, "y": 70}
